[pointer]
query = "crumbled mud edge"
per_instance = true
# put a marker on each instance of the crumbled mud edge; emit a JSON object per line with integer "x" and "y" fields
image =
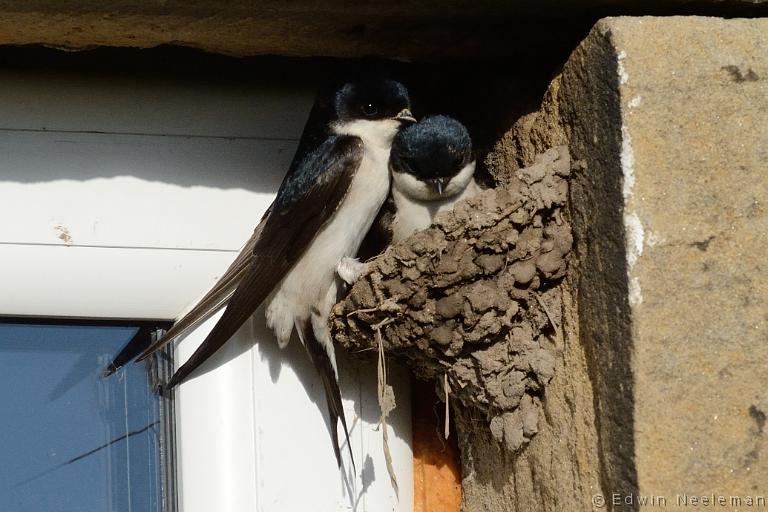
{"x": 474, "y": 297}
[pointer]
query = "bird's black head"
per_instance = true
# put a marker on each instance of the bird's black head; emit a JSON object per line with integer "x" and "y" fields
{"x": 433, "y": 151}
{"x": 373, "y": 100}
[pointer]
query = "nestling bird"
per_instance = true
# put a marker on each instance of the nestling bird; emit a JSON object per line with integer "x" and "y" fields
{"x": 334, "y": 188}
{"x": 432, "y": 168}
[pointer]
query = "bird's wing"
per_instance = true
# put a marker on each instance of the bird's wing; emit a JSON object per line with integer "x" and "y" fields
{"x": 215, "y": 298}
{"x": 306, "y": 200}
{"x": 315, "y": 131}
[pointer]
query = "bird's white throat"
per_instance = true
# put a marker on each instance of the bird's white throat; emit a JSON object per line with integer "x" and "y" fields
{"x": 416, "y": 189}
{"x": 417, "y": 203}
{"x": 377, "y": 133}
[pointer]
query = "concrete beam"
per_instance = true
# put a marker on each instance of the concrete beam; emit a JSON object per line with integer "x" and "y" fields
{"x": 406, "y": 29}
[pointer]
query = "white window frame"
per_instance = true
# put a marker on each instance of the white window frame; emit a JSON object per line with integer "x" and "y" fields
{"x": 195, "y": 165}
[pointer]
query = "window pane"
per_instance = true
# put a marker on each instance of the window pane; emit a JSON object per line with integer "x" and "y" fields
{"x": 71, "y": 440}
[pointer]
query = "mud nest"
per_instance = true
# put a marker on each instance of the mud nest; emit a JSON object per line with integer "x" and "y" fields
{"x": 475, "y": 298}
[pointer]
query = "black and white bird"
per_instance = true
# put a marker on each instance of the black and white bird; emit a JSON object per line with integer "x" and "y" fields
{"x": 335, "y": 186}
{"x": 433, "y": 167}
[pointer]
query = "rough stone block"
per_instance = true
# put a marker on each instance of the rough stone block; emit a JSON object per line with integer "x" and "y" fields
{"x": 670, "y": 215}
{"x": 694, "y": 167}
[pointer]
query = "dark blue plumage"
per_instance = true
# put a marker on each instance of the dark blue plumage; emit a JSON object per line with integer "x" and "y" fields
{"x": 311, "y": 171}
{"x": 435, "y": 147}
{"x": 352, "y": 101}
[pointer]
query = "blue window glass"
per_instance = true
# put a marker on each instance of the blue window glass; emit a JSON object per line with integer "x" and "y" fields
{"x": 71, "y": 439}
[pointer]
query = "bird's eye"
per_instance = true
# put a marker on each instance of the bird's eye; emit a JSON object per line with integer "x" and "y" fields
{"x": 370, "y": 110}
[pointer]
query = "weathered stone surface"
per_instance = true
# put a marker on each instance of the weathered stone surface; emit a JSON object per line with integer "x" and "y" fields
{"x": 695, "y": 190}
{"x": 406, "y": 29}
{"x": 670, "y": 118}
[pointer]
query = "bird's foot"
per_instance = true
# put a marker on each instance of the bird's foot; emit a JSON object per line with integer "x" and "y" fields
{"x": 350, "y": 269}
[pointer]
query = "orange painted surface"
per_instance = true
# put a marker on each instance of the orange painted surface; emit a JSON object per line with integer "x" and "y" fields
{"x": 436, "y": 471}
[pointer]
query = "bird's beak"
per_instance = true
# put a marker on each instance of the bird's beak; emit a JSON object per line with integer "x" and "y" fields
{"x": 438, "y": 184}
{"x": 405, "y": 116}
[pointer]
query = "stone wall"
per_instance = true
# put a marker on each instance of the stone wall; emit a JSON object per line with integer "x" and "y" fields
{"x": 670, "y": 119}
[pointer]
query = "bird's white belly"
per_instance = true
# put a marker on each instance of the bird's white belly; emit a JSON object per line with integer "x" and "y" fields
{"x": 410, "y": 217}
{"x": 311, "y": 282}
